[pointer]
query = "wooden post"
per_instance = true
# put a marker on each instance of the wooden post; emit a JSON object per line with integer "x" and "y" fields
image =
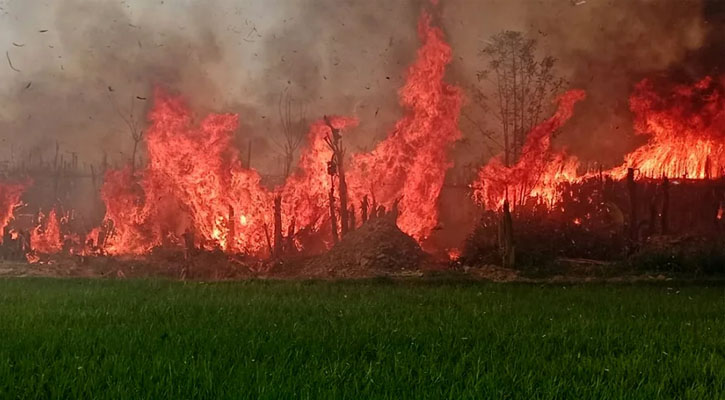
{"x": 351, "y": 219}
{"x": 506, "y": 238}
{"x": 664, "y": 215}
{"x": 632, "y": 188}
{"x": 652, "y": 226}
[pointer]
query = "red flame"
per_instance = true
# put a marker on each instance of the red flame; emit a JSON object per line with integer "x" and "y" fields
{"x": 454, "y": 254}
{"x": 411, "y": 163}
{"x": 305, "y": 193}
{"x": 195, "y": 181}
{"x": 46, "y": 237}
{"x": 685, "y": 125}
{"x": 686, "y": 129}
{"x": 538, "y": 171}
{"x": 9, "y": 199}
{"x": 192, "y": 181}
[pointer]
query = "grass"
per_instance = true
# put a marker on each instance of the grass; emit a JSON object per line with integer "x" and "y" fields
{"x": 105, "y": 339}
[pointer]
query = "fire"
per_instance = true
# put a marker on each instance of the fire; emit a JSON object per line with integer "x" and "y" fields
{"x": 686, "y": 129}
{"x": 46, "y": 237}
{"x": 410, "y": 165}
{"x": 305, "y": 193}
{"x": 538, "y": 172}
{"x": 194, "y": 181}
{"x": 454, "y": 254}
{"x": 9, "y": 199}
{"x": 194, "y": 188}
{"x": 685, "y": 125}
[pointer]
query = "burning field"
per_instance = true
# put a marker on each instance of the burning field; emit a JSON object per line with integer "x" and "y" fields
{"x": 190, "y": 202}
{"x": 324, "y": 198}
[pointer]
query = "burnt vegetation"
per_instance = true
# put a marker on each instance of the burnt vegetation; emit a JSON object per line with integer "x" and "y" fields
{"x": 185, "y": 186}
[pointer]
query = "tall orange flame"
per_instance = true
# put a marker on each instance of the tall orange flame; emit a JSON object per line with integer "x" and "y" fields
{"x": 9, "y": 199}
{"x": 411, "y": 163}
{"x": 685, "y": 125}
{"x": 46, "y": 237}
{"x": 195, "y": 181}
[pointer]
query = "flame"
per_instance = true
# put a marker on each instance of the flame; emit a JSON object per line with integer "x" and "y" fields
{"x": 538, "y": 171}
{"x": 305, "y": 193}
{"x": 194, "y": 180}
{"x": 9, "y": 199}
{"x": 685, "y": 125}
{"x": 411, "y": 163}
{"x": 46, "y": 237}
{"x": 454, "y": 254}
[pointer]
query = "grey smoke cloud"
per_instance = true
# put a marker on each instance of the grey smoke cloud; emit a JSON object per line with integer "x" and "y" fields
{"x": 337, "y": 56}
{"x": 602, "y": 46}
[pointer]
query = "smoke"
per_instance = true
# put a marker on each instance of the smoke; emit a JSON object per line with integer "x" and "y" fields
{"x": 606, "y": 47}
{"x": 602, "y": 46}
{"x": 83, "y": 62}
{"x": 333, "y": 56}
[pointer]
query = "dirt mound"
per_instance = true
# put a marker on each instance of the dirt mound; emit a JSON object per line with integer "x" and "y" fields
{"x": 378, "y": 246}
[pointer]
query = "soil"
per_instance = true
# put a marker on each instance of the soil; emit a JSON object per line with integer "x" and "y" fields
{"x": 378, "y": 247}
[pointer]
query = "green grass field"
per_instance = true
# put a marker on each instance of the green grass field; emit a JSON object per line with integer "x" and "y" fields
{"x": 104, "y": 339}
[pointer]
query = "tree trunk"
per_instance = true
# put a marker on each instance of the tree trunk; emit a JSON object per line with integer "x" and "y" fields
{"x": 333, "y": 216}
{"x": 506, "y": 238}
{"x": 364, "y": 209}
{"x": 633, "y": 220}
{"x": 277, "y": 226}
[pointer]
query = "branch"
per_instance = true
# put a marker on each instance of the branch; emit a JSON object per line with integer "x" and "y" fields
{"x": 7, "y": 55}
{"x": 485, "y": 133}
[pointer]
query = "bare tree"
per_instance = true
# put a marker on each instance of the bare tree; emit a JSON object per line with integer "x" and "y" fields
{"x": 335, "y": 168}
{"x": 131, "y": 122}
{"x": 523, "y": 87}
{"x": 294, "y": 124}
